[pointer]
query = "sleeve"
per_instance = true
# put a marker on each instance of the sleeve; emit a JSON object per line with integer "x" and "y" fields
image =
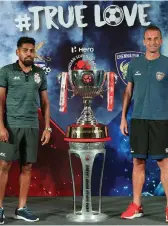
{"x": 129, "y": 75}
{"x": 43, "y": 82}
{"x": 3, "y": 78}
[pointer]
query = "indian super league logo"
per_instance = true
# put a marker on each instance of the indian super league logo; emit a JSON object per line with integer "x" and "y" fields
{"x": 82, "y": 62}
{"x": 122, "y": 61}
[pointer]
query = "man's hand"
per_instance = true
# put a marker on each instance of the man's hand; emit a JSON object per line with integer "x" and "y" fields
{"x": 124, "y": 127}
{"x": 4, "y": 135}
{"x": 45, "y": 137}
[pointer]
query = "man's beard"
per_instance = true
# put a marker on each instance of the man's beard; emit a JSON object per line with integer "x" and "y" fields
{"x": 28, "y": 62}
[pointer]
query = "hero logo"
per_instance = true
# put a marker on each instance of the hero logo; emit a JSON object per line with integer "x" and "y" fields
{"x": 75, "y": 49}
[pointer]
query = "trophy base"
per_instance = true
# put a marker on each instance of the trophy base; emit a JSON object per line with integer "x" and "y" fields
{"x": 93, "y": 217}
{"x": 83, "y": 140}
{"x": 87, "y": 133}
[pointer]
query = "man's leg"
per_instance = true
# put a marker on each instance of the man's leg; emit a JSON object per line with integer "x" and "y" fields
{"x": 22, "y": 212}
{"x": 139, "y": 151}
{"x": 4, "y": 169}
{"x": 163, "y": 165}
{"x": 138, "y": 179}
{"x": 28, "y": 155}
{"x": 159, "y": 144}
{"x": 25, "y": 178}
{"x": 159, "y": 140}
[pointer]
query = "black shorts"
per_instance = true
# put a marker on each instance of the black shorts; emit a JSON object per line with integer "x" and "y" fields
{"x": 149, "y": 138}
{"x": 22, "y": 145}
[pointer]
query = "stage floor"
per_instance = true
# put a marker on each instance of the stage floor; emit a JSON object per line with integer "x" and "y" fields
{"x": 53, "y": 210}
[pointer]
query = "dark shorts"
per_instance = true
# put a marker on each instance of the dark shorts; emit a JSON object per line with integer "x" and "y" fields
{"x": 149, "y": 138}
{"x": 22, "y": 145}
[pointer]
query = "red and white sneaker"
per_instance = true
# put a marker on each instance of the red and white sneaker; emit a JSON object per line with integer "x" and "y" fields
{"x": 133, "y": 211}
{"x": 166, "y": 214}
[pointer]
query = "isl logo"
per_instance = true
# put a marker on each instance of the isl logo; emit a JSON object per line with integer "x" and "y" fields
{"x": 87, "y": 158}
{"x": 87, "y": 78}
{"x": 84, "y": 60}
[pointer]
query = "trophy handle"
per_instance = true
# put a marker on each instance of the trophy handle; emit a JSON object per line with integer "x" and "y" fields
{"x": 59, "y": 81}
{"x": 115, "y": 80}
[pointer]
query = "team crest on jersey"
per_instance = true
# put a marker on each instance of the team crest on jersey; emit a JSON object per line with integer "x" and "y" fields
{"x": 37, "y": 78}
{"x": 160, "y": 75}
{"x": 122, "y": 61}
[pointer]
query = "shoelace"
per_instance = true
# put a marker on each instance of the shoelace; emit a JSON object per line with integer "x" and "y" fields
{"x": 129, "y": 206}
{"x": 28, "y": 212}
{"x": 1, "y": 212}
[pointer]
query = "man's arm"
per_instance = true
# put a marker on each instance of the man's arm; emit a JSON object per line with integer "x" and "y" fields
{"x": 126, "y": 102}
{"x": 45, "y": 107}
{"x": 4, "y": 135}
{"x": 2, "y": 105}
{"x": 127, "y": 99}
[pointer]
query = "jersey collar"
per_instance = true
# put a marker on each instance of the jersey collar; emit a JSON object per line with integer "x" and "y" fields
{"x": 17, "y": 67}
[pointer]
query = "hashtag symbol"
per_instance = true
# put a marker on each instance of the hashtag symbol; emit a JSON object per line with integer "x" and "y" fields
{"x": 23, "y": 22}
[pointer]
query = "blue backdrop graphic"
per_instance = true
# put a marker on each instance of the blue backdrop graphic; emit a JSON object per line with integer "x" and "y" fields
{"x": 101, "y": 44}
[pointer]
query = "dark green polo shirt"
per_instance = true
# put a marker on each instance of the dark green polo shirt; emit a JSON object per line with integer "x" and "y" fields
{"x": 150, "y": 79}
{"x": 22, "y": 99}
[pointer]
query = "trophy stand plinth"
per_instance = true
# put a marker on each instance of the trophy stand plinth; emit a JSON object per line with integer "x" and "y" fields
{"x": 87, "y": 153}
{"x": 87, "y": 137}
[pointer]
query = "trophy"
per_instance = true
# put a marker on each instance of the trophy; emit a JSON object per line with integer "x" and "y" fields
{"x": 87, "y": 136}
